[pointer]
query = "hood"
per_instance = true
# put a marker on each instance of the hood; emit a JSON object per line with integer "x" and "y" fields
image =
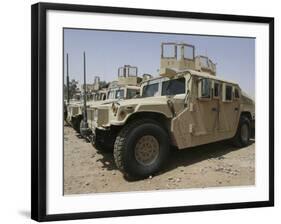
{"x": 141, "y": 101}
{"x": 94, "y": 104}
{"x": 148, "y": 104}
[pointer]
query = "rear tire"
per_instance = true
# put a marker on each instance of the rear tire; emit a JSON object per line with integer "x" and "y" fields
{"x": 243, "y": 133}
{"x": 141, "y": 148}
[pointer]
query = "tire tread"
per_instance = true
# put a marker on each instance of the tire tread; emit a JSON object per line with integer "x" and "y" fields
{"x": 121, "y": 140}
{"x": 237, "y": 139}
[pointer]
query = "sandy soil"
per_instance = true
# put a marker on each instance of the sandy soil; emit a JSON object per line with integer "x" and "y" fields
{"x": 212, "y": 165}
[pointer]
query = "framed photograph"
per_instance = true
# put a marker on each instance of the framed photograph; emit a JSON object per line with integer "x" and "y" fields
{"x": 139, "y": 111}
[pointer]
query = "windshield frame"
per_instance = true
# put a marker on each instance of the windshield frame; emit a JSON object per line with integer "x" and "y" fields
{"x": 160, "y": 84}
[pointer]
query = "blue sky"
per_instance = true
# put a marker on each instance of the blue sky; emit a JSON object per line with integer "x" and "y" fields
{"x": 108, "y": 50}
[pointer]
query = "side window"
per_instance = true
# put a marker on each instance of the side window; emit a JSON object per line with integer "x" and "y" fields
{"x": 204, "y": 88}
{"x": 216, "y": 90}
{"x": 236, "y": 93}
{"x": 227, "y": 92}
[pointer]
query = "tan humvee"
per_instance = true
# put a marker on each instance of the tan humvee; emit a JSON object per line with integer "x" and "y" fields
{"x": 73, "y": 112}
{"x": 126, "y": 87}
{"x": 186, "y": 106}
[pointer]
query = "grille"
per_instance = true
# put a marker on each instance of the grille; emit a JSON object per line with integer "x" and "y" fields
{"x": 102, "y": 117}
{"x": 74, "y": 111}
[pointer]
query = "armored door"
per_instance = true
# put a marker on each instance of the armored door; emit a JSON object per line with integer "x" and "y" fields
{"x": 206, "y": 110}
{"x": 229, "y": 109}
{"x": 198, "y": 123}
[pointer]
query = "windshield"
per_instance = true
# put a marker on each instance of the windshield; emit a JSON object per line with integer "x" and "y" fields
{"x": 173, "y": 87}
{"x": 119, "y": 94}
{"x": 131, "y": 93}
{"x": 150, "y": 90}
{"x": 164, "y": 88}
{"x": 111, "y": 94}
{"x": 116, "y": 94}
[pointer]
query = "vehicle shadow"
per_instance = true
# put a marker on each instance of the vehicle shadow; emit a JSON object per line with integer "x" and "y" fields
{"x": 79, "y": 136}
{"x": 187, "y": 157}
{"x": 180, "y": 158}
{"x": 107, "y": 160}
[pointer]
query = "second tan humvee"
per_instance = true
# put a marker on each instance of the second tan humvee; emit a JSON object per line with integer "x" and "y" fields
{"x": 126, "y": 87}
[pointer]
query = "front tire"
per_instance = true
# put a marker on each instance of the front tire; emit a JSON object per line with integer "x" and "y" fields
{"x": 243, "y": 133}
{"x": 141, "y": 148}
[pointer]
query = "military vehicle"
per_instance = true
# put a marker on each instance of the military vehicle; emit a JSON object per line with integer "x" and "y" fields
{"x": 126, "y": 87}
{"x": 188, "y": 105}
{"x": 100, "y": 95}
{"x": 71, "y": 106}
{"x": 73, "y": 109}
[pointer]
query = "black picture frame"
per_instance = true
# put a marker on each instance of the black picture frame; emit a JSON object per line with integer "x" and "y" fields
{"x": 38, "y": 109}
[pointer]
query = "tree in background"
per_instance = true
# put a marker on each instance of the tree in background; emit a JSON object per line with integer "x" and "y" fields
{"x": 103, "y": 84}
{"x": 73, "y": 89}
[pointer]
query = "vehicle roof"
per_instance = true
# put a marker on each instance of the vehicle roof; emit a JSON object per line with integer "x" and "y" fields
{"x": 196, "y": 73}
{"x": 154, "y": 78}
{"x": 124, "y": 86}
{"x": 207, "y": 75}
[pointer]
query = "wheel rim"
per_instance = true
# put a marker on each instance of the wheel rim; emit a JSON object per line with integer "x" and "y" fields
{"x": 244, "y": 133}
{"x": 147, "y": 150}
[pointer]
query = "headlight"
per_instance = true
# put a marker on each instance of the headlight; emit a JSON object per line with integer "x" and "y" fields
{"x": 114, "y": 108}
{"x": 95, "y": 114}
{"x": 124, "y": 111}
{"x": 122, "y": 114}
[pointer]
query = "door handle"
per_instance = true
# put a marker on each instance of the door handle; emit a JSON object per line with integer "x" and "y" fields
{"x": 236, "y": 108}
{"x": 214, "y": 109}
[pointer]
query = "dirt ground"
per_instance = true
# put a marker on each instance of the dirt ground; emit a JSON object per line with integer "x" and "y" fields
{"x": 212, "y": 165}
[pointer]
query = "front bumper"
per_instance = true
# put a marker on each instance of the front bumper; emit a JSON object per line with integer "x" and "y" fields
{"x": 103, "y": 137}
